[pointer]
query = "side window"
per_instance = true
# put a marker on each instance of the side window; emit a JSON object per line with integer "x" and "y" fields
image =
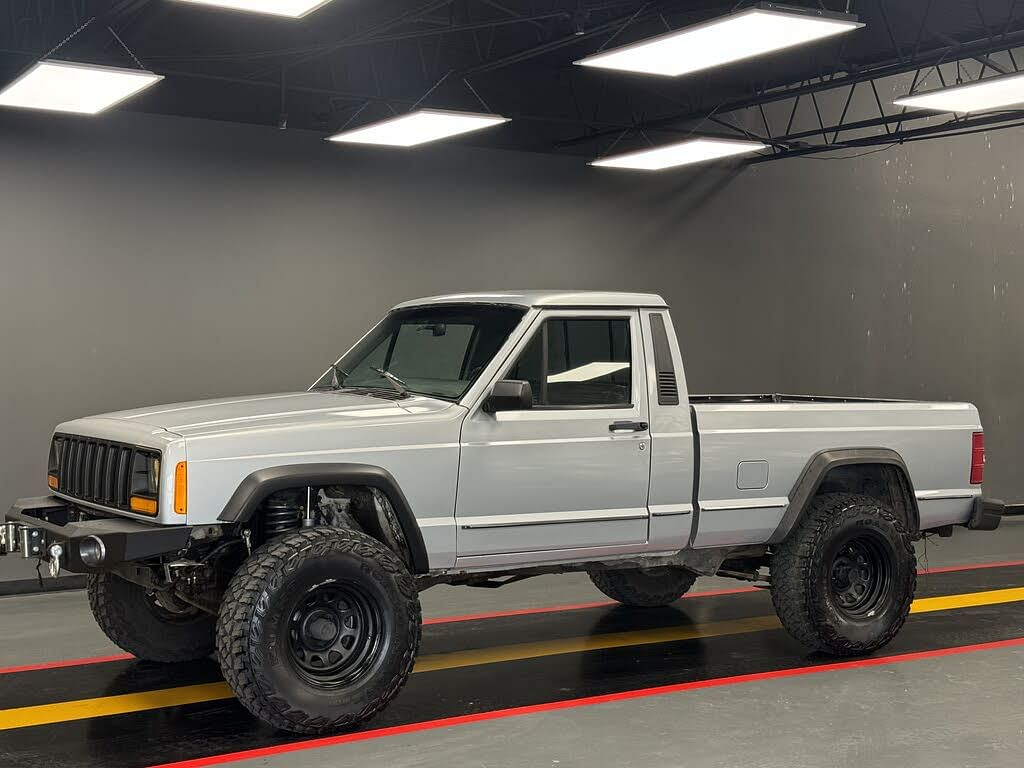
{"x": 575, "y": 362}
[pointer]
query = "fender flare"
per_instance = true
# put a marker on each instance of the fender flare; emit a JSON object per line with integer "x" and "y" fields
{"x": 815, "y": 471}
{"x": 263, "y": 482}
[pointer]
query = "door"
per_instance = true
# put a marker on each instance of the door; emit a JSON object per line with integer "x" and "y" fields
{"x": 571, "y": 473}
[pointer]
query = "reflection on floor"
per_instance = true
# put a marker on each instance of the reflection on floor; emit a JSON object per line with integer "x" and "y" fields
{"x": 128, "y": 713}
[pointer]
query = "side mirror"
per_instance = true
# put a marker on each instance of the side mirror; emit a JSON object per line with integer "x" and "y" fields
{"x": 509, "y": 396}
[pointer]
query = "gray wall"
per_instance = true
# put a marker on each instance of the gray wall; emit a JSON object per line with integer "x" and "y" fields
{"x": 148, "y": 260}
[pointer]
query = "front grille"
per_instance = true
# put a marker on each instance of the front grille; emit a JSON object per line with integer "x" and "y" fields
{"x": 100, "y": 471}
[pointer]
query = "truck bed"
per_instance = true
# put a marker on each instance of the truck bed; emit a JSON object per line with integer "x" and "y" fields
{"x": 751, "y": 450}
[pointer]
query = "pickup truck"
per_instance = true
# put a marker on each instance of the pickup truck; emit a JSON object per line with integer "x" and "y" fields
{"x": 480, "y": 439}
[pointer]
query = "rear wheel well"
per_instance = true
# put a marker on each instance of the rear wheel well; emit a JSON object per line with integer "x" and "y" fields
{"x": 888, "y": 483}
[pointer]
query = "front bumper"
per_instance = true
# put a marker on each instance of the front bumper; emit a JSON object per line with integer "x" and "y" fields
{"x": 54, "y": 531}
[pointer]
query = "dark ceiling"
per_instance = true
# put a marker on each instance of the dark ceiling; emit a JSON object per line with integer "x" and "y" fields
{"x": 353, "y": 61}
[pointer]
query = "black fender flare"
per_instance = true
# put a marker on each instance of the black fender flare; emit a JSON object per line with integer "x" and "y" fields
{"x": 821, "y": 464}
{"x": 263, "y": 482}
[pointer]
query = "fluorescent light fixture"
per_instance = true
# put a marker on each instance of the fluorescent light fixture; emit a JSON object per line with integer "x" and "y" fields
{"x": 293, "y": 9}
{"x": 64, "y": 86}
{"x": 755, "y": 31}
{"x": 990, "y": 93}
{"x": 418, "y": 127}
{"x": 681, "y": 153}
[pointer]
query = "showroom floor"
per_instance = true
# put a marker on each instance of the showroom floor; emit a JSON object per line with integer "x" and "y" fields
{"x": 495, "y": 665}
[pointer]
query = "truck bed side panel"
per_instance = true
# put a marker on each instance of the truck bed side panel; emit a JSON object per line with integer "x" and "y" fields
{"x": 738, "y": 440}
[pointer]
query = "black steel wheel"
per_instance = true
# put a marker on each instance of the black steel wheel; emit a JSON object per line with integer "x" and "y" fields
{"x": 318, "y": 630}
{"x": 861, "y": 574}
{"x": 844, "y": 579}
{"x": 336, "y": 633}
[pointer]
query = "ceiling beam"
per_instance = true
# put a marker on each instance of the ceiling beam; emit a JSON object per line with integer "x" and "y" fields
{"x": 889, "y": 68}
{"x": 386, "y": 25}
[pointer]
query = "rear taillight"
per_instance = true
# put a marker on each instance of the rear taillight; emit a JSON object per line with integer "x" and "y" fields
{"x": 978, "y": 458}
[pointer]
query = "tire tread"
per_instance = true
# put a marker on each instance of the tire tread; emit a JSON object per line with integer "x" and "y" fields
{"x": 260, "y": 575}
{"x": 118, "y": 613}
{"x": 633, "y": 587}
{"x": 791, "y": 575}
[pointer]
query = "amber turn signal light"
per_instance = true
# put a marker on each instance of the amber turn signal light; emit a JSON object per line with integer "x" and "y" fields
{"x": 51, "y": 480}
{"x": 143, "y": 506}
{"x": 181, "y": 488}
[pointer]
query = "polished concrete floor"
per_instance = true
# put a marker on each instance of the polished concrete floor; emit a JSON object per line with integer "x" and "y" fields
{"x": 711, "y": 681}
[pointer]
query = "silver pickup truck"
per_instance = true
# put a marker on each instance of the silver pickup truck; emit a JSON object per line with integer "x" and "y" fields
{"x": 479, "y": 439}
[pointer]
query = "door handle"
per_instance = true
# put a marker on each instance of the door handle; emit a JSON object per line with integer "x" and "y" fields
{"x": 628, "y": 426}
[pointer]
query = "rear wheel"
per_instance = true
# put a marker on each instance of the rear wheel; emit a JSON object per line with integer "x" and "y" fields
{"x": 644, "y": 587}
{"x": 844, "y": 580}
{"x": 318, "y": 630}
{"x": 149, "y": 626}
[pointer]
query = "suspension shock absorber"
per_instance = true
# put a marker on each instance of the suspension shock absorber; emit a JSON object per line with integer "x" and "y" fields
{"x": 280, "y": 512}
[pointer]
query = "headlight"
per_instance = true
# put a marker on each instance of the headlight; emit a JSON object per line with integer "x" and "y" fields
{"x": 53, "y": 464}
{"x": 145, "y": 483}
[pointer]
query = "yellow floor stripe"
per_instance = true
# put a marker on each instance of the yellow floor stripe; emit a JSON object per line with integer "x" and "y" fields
{"x": 45, "y": 714}
{"x": 970, "y": 600}
{"x": 521, "y": 651}
{"x": 112, "y": 705}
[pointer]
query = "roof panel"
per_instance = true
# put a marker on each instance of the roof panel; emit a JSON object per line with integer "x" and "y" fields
{"x": 539, "y": 298}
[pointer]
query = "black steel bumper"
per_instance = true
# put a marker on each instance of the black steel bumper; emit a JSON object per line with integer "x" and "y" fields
{"x": 987, "y": 514}
{"x": 49, "y": 528}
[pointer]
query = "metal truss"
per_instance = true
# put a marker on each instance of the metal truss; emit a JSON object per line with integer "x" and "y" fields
{"x": 748, "y": 117}
{"x": 399, "y": 49}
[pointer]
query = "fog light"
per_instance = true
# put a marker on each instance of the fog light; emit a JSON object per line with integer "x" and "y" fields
{"x": 91, "y": 551}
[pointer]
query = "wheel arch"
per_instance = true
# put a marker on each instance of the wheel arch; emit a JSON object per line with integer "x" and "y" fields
{"x": 883, "y": 466}
{"x": 258, "y": 485}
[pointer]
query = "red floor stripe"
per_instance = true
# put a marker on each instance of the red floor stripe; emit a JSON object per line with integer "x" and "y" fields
{"x": 65, "y": 663}
{"x": 513, "y": 612}
{"x": 970, "y": 567}
{"x": 587, "y": 701}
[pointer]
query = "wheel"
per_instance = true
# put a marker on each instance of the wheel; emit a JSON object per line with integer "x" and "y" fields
{"x": 844, "y": 580}
{"x": 148, "y": 626}
{"x": 318, "y": 630}
{"x": 644, "y": 587}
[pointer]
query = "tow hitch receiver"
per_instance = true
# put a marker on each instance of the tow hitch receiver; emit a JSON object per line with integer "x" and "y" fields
{"x": 8, "y": 538}
{"x": 30, "y": 542}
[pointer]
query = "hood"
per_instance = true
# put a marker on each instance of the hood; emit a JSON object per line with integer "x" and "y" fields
{"x": 286, "y": 409}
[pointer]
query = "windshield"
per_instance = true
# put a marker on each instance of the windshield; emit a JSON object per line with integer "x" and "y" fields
{"x": 435, "y": 351}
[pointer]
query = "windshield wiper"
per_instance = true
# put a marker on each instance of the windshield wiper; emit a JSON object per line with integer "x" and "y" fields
{"x": 399, "y": 386}
{"x": 340, "y": 374}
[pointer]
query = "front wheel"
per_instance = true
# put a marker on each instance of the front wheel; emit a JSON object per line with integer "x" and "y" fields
{"x": 844, "y": 580}
{"x": 148, "y": 625}
{"x": 319, "y": 630}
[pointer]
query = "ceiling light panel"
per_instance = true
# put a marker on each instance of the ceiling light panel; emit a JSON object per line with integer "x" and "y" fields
{"x": 64, "y": 86}
{"x": 991, "y": 93}
{"x": 753, "y": 32}
{"x": 293, "y": 9}
{"x": 682, "y": 153}
{"x": 419, "y": 127}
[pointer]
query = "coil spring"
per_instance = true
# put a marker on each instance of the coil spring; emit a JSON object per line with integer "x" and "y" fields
{"x": 279, "y": 516}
